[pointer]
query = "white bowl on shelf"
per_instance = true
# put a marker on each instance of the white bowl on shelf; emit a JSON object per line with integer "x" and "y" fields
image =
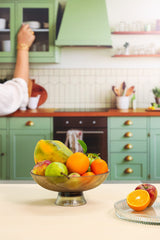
{"x": 2, "y": 23}
{"x": 6, "y": 45}
{"x": 33, "y": 24}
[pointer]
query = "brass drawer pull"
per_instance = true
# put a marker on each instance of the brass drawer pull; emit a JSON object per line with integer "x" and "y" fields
{"x": 128, "y": 170}
{"x": 128, "y": 146}
{"x": 128, "y": 122}
{"x": 29, "y": 123}
{"x": 128, "y": 158}
{"x": 128, "y": 134}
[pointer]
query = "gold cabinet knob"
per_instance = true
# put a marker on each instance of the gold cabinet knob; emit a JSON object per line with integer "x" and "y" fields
{"x": 128, "y": 134}
{"x": 128, "y": 170}
{"x": 128, "y": 146}
{"x": 29, "y": 123}
{"x": 128, "y": 122}
{"x": 128, "y": 158}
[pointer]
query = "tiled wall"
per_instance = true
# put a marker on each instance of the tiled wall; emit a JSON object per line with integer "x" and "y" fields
{"x": 91, "y": 88}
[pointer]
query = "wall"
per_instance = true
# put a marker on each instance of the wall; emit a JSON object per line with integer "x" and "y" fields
{"x": 85, "y": 76}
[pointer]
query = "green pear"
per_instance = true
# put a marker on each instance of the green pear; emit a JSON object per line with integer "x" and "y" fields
{"x": 56, "y": 169}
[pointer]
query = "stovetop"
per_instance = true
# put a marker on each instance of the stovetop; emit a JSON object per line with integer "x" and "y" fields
{"x": 81, "y": 110}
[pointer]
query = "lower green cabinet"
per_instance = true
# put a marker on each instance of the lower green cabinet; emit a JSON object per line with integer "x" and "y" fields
{"x": 133, "y": 146}
{"x": 24, "y": 134}
{"x": 154, "y": 163}
{"x": 3, "y": 148}
{"x": 127, "y": 148}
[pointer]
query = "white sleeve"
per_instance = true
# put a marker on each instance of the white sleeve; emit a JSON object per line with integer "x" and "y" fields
{"x": 13, "y": 95}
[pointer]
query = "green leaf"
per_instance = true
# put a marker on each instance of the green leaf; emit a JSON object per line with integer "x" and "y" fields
{"x": 83, "y": 145}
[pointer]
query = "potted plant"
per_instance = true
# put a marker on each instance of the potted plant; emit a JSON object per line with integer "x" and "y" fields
{"x": 156, "y": 92}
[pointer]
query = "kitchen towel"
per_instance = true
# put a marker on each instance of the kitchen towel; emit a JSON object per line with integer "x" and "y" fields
{"x": 72, "y": 137}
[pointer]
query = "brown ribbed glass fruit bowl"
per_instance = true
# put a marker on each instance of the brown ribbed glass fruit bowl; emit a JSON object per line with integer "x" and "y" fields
{"x": 70, "y": 190}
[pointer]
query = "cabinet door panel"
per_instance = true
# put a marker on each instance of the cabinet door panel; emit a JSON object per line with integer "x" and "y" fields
{"x": 43, "y": 48}
{"x": 155, "y": 122}
{"x": 22, "y": 144}
{"x": 7, "y": 34}
{"x": 3, "y": 155}
{"x": 155, "y": 154}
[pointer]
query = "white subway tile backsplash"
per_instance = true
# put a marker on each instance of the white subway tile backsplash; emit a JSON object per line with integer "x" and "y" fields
{"x": 91, "y": 88}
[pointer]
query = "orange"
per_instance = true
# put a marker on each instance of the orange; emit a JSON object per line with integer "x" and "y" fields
{"x": 99, "y": 166}
{"x": 78, "y": 162}
{"x": 88, "y": 174}
{"x": 138, "y": 199}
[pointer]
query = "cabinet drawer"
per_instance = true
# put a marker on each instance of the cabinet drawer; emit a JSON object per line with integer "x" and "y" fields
{"x": 3, "y": 123}
{"x": 128, "y": 122}
{"x": 155, "y": 122}
{"x": 119, "y": 171}
{"x": 124, "y": 158}
{"x": 127, "y": 134}
{"x": 30, "y": 122}
{"x": 123, "y": 146}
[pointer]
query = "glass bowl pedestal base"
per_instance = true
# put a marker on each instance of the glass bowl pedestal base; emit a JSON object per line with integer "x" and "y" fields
{"x": 71, "y": 199}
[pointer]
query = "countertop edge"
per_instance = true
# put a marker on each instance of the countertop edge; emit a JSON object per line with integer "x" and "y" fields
{"x": 52, "y": 112}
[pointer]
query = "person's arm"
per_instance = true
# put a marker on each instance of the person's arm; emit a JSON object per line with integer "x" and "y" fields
{"x": 14, "y": 93}
{"x": 25, "y": 39}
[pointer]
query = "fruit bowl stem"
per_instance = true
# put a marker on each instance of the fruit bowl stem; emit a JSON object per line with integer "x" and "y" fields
{"x": 71, "y": 199}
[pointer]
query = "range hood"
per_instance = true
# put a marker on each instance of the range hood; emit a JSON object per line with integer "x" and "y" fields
{"x": 84, "y": 23}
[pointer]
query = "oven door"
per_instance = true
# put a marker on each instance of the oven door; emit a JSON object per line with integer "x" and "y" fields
{"x": 96, "y": 140}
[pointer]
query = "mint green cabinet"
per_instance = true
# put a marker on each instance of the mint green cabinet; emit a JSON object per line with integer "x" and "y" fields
{"x": 154, "y": 163}
{"x": 127, "y": 148}
{"x": 43, "y": 14}
{"x": 24, "y": 134}
{"x": 3, "y": 148}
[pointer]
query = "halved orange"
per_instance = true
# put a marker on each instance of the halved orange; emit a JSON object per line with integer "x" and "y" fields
{"x": 138, "y": 199}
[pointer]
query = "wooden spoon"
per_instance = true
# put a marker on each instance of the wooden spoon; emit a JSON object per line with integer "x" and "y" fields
{"x": 115, "y": 90}
{"x": 122, "y": 88}
{"x": 130, "y": 90}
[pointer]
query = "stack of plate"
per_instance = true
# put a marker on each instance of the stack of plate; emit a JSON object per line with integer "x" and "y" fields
{"x": 2, "y": 23}
{"x": 33, "y": 24}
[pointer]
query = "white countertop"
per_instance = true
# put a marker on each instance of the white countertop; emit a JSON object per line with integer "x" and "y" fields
{"x": 28, "y": 212}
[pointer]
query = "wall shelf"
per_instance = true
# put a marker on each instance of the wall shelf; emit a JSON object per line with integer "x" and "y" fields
{"x": 145, "y": 55}
{"x": 137, "y": 33}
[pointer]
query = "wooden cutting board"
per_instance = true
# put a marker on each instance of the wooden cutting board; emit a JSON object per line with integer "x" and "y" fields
{"x": 39, "y": 90}
{"x": 153, "y": 110}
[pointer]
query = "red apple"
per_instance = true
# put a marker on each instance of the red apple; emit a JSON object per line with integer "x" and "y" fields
{"x": 40, "y": 167}
{"x": 151, "y": 189}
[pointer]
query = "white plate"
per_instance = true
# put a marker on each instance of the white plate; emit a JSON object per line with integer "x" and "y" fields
{"x": 33, "y": 24}
{"x": 150, "y": 215}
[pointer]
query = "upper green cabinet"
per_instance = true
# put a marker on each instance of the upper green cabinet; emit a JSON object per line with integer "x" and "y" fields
{"x": 41, "y": 15}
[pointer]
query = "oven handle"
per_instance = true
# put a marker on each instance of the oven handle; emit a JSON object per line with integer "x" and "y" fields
{"x": 84, "y": 132}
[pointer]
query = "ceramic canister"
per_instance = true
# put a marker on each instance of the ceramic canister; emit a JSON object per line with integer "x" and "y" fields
{"x": 122, "y": 102}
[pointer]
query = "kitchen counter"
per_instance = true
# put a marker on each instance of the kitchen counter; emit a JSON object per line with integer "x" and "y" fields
{"x": 52, "y": 112}
{"x": 28, "y": 212}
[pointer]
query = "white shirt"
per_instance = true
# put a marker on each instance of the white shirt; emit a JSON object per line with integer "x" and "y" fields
{"x": 13, "y": 95}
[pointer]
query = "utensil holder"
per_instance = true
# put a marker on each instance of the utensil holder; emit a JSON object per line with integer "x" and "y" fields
{"x": 122, "y": 102}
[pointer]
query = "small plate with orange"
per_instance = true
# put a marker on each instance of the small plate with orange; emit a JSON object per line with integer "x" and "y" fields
{"x": 150, "y": 215}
